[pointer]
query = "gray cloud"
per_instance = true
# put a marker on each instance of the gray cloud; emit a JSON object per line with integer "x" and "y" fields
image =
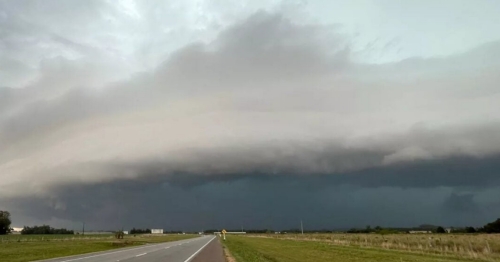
{"x": 266, "y": 100}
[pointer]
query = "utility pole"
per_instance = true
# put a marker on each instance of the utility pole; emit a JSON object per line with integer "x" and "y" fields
{"x": 83, "y": 229}
{"x": 301, "y": 227}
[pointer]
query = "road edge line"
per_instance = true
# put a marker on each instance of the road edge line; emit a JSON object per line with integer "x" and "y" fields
{"x": 195, "y": 253}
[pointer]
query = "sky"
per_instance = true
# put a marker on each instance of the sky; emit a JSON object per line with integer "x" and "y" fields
{"x": 189, "y": 115}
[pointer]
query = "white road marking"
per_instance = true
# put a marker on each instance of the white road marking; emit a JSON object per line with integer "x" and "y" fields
{"x": 191, "y": 257}
{"x": 141, "y": 255}
{"x": 98, "y": 255}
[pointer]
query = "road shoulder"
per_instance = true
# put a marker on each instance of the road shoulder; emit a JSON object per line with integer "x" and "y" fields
{"x": 211, "y": 253}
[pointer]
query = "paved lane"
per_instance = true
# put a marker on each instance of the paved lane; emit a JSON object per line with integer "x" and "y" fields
{"x": 213, "y": 252}
{"x": 178, "y": 251}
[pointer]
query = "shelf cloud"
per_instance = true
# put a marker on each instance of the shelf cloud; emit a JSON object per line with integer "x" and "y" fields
{"x": 267, "y": 99}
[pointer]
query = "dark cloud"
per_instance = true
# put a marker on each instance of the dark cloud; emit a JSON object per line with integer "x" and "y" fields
{"x": 462, "y": 208}
{"x": 463, "y": 203}
{"x": 455, "y": 192}
{"x": 453, "y": 172}
{"x": 253, "y": 202}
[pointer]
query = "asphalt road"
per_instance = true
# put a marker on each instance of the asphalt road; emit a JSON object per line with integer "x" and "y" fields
{"x": 177, "y": 251}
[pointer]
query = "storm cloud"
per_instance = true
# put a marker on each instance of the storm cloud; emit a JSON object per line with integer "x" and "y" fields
{"x": 249, "y": 112}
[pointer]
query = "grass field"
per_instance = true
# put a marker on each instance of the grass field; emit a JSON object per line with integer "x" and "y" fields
{"x": 19, "y": 248}
{"x": 359, "y": 248}
{"x": 28, "y": 238}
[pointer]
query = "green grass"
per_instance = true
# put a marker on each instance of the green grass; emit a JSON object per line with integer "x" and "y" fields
{"x": 18, "y": 248}
{"x": 28, "y": 238}
{"x": 258, "y": 249}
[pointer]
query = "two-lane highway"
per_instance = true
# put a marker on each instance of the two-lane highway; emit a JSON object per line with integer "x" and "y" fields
{"x": 177, "y": 251}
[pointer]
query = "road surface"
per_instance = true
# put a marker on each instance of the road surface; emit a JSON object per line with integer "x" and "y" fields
{"x": 206, "y": 248}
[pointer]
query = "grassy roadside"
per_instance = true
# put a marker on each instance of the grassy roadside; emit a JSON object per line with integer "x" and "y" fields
{"x": 480, "y": 246}
{"x": 34, "y": 238}
{"x": 250, "y": 249}
{"x": 29, "y": 248}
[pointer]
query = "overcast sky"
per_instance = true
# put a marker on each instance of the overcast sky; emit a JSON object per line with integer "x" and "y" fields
{"x": 208, "y": 114}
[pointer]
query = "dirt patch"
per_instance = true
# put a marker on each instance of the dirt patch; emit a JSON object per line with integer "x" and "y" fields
{"x": 228, "y": 256}
{"x": 122, "y": 243}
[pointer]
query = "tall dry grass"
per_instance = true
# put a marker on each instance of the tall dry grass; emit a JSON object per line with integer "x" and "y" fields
{"x": 476, "y": 246}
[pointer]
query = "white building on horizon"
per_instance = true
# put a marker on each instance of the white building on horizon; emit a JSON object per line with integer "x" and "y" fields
{"x": 156, "y": 231}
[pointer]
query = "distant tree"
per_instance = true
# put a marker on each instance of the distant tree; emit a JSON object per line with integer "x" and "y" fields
{"x": 470, "y": 230}
{"x": 119, "y": 234}
{"x": 352, "y": 231}
{"x": 493, "y": 227}
{"x": 440, "y": 230}
{"x": 5, "y": 223}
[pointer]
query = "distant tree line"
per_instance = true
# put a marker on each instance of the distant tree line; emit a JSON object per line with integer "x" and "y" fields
{"x": 255, "y": 231}
{"x": 211, "y": 231}
{"x": 249, "y": 231}
{"x": 172, "y": 232}
{"x": 45, "y": 230}
{"x": 140, "y": 231}
{"x": 493, "y": 227}
{"x": 380, "y": 230}
{"x": 377, "y": 229}
{"x": 467, "y": 230}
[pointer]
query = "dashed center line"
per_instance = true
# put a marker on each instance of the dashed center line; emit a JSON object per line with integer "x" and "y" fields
{"x": 147, "y": 246}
